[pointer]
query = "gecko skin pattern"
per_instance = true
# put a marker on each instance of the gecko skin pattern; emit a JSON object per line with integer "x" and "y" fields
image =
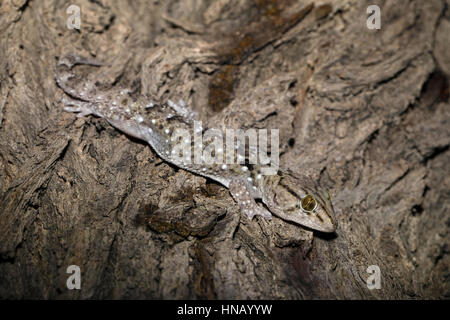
{"x": 290, "y": 196}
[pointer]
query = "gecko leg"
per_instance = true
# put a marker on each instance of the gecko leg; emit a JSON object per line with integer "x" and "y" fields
{"x": 64, "y": 76}
{"x": 243, "y": 196}
{"x": 81, "y": 107}
{"x": 182, "y": 110}
{"x": 71, "y": 60}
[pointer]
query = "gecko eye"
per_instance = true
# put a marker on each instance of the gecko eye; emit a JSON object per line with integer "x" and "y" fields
{"x": 308, "y": 203}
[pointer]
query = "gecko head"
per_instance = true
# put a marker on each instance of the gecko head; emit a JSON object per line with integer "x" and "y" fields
{"x": 300, "y": 199}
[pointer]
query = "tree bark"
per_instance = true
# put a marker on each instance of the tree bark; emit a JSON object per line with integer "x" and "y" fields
{"x": 364, "y": 112}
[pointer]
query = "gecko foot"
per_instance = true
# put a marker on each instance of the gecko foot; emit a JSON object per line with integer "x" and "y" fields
{"x": 71, "y": 60}
{"x": 69, "y": 82}
{"x": 242, "y": 195}
{"x": 182, "y": 110}
{"x": 80, "y": 107}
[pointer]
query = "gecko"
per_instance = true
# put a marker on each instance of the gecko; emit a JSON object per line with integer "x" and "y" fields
{"x": 286, "y": 194}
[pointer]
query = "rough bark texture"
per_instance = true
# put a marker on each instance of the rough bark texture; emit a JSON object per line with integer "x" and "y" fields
{"x": 365, "y": 112}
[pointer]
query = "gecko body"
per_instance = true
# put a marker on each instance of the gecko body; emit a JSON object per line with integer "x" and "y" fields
{"x": 166, "y": 126}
